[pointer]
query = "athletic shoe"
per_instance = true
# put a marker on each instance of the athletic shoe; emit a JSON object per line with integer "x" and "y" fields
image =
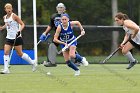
{"x": 5, "y": 71}
{"x": 131, "y": 64}
{"x": 77, "y": 73}
{"x": 78, "y": 64}
{"x": 84, "y": 61}
{"x": 34, "y": 65}
{"x": 49, "y": 64}
{"x": 9, "y": 66}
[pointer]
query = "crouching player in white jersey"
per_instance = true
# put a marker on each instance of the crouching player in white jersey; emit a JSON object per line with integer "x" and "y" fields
{"x": 131, "y": 28}
{"x": 64, "y": 35}
{"x": 14, "y": 38}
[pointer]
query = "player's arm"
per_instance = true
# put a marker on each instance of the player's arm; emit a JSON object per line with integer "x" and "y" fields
{"x": 56, "y": 36}
{"x": 45, "y": 35}
{"x": 126, "y": 38}
{"x": 18, "y": 20}
{"x": 79, "y": 25}
{"x": 3, "y": 27}
{"x": 47, "y": 30}
{"x": 50, "y": 26}
{"x": 131, "y": 25}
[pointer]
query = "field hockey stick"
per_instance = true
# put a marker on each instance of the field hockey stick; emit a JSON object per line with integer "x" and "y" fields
{"x": 114, "y": 52}
{"x": 12, "y": 50}
{"x": 108, "y": 57}
{"x": 63, "y": 49}
{"x": 38, "y": 42}
{"x": 47, "y": 36}
{"x": 66, "y": 41}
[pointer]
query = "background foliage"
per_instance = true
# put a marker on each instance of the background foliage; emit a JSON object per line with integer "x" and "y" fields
{"x": 89, "y": 12}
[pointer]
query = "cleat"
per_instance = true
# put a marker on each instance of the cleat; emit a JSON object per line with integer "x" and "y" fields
{"x": 34, "y": 65}
{"x": 84, "y": 61}
{"x": 49, "y": 64}
{"x": 77, "y": 73}
{"x": 131, "y": 64}
{"x": 5, "y": 71}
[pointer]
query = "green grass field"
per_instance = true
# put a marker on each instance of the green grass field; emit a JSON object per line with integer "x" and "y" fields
{"x": 97, "y": 78}
{"x": 94, "y": 59}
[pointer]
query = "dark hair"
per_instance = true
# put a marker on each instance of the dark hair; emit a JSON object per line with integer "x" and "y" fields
{"x": 121, "y": 15}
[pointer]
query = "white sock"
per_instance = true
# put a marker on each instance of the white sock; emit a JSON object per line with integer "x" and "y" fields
{"x": 27, "y": 58}
{"x": 129, "y": 56}
{"x": 6, "y": 61}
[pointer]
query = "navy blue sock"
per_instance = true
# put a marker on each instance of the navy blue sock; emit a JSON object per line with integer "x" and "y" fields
{"x": 72, "y": 65}
{"x": 78, "y": 57}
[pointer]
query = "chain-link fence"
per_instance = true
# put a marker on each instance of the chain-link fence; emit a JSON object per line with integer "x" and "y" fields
{"x": 96, "y": 42}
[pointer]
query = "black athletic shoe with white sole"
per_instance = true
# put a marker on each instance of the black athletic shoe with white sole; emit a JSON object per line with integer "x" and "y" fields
{"x": 131, "y": 64}
{"x": 49, "y": 64}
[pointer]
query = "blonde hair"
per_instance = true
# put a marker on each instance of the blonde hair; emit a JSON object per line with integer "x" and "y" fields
{"x": 8, "y": 5}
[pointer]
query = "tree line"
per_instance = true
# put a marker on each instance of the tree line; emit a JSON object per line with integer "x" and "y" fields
{"x": 88, "y": 12}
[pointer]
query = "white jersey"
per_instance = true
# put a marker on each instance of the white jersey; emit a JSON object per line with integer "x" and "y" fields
{"x": 136, "y": 39}
{"x": 11, "y": 26}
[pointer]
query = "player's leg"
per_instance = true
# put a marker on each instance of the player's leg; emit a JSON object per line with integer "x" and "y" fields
{"x": 6, "y": 58}
{"x": 51, "y": 57}
{"x": 80, "y": 59}
{"x": 126, "y": 52}
{"x": 25, "y": 57}
{"x": 72, "y": 56}
{"x": 70, "y": 63}
{"x": 76, "y": 62}
{"x": 18, "y": 48}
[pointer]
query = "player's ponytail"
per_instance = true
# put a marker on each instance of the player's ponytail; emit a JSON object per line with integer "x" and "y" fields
{"x": 121, "y": 15}
{"x": 125, "y": 16}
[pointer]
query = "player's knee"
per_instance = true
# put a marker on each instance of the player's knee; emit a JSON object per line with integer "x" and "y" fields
{"x": 19, "y": 54}
{"x": 124, "y": 51}
{"x": 6, "y": 52}
{"x": 72, "y": 56}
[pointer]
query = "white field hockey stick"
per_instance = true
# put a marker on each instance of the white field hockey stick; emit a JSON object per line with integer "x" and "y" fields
{"x": 66, "y": 41}
{"x": 48, "y": 35}
{"x": 38, "y": 42}
{"x": 63, "y": 49}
